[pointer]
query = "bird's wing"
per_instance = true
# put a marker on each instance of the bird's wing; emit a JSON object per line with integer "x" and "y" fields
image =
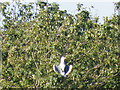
{"x": 56, "y": 68}
{"x": 68, "y": 69}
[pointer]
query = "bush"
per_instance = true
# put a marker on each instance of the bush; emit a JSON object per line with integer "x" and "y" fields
{"x": 29, "y": 50}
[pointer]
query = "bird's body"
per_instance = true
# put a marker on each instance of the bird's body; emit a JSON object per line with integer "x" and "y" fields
{"x": 63, "y": 69}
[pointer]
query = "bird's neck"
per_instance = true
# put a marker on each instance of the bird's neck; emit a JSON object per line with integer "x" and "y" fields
{"x": 62, "y": 61}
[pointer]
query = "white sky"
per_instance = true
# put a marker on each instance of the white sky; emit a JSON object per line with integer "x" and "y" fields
{"x": 66, "y": 0}
{"x": 83, "y": 0}
{"x": 101, "y": 7}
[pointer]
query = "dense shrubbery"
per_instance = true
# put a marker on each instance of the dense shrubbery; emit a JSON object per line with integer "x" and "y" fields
{"x": 29, "y": 49}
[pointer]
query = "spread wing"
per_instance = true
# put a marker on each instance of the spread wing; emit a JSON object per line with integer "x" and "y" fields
{"x": 56, "y": 68}
{"x": 68, "y": 69}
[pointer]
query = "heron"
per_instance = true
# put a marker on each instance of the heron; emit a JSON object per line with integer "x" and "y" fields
{"x": 62, "y": 68}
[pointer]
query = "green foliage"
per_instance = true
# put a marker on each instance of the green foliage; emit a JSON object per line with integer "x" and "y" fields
{"x": 31, "y": 48}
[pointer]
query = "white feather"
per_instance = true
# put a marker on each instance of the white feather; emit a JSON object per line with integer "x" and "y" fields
{"x": 62, "y": 68}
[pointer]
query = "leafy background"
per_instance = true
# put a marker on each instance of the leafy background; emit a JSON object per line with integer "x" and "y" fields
{"x": 33, "y": 41}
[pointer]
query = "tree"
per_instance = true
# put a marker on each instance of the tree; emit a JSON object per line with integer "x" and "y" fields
{"x": 31, "y": 48}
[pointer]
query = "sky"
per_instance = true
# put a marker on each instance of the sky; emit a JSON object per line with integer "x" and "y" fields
{"x": 101, "y": 7}
{"x": 69, "y": 0}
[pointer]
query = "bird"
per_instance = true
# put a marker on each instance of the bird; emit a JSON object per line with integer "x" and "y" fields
{"x": 62, "y": 68}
